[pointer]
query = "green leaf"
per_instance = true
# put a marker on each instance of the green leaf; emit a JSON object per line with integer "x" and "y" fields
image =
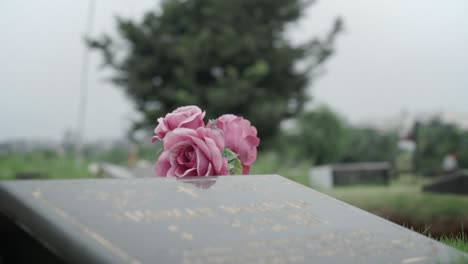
{"x": 234, "y": 163}
{"x": 213, "y": 123}
{"x": 159, "y": 148}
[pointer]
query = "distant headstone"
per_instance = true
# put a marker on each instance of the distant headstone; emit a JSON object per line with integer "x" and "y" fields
{"x": 457, "y": 183}
{"x": 231, "y": 219}
{"x": 28, "y": 175}
{"x": 332, "y": 175}
{"x": 144, "y": 171}
{"x": 109, "y": 170}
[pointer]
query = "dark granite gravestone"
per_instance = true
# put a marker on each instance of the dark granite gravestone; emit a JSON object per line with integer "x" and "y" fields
{"x": 231, "y": 219}
{"x": 456, "y": 184}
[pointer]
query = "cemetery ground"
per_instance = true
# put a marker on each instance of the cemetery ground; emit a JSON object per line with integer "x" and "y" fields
{"x": 48, "y": 164}
{"x": 442, "y": 216}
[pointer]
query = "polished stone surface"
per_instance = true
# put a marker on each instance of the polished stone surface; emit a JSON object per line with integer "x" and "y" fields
{"x": 236, "y": 219}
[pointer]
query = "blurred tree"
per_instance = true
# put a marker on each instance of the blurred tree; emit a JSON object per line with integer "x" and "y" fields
{"x": 227, "y": 56}
{"x": 322, "y": 135}
{"x": 436, "y": 139}
{"x": 463, "y": 151}
{"x": 367, "y": 144}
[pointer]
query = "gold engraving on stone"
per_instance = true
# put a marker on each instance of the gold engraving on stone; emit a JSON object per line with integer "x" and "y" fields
{"x": 414, "y": 260}
{"x": 230, "y": 209}
{"x": 235, "y": 223}
{"x": 186, "y": 236}
{"x": 307, "y": 219}
{"x": 172, "y": 228}
{"x": 174, "y": 213}
{"x": 118, "y": 199}
{"x": 277, "y": 210}
{"x": 168, "y": 214}
{"x": 263, "y": 207}
{"x": 188, "y": 191}
{"x": 434, "y": 250}
{"x": 190, "y": 212}
{"x": 298, "y": 249}
{"x": 206, "y": 212}
{"x": 294, "y": 205}
{"x": 37, "y": 193}
{"x": 116, "y": 216}
{"x": 135, "y": 216}
{"x": 278, "y": 227}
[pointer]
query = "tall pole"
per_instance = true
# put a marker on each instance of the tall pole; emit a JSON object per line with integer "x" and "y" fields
{"x": 416, "y": 153}
{"x": 84, "y": 85}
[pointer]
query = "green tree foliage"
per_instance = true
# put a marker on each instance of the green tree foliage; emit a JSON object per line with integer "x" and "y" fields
{"x": 463, "y": 151}
{"x": 322, "y": 136}
{"x": 367, "y": 144}
{"x": 227, "y": 56}
{"x": 436, "y": 139}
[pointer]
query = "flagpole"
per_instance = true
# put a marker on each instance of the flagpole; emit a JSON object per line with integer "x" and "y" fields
{"x": 84, "y": 85}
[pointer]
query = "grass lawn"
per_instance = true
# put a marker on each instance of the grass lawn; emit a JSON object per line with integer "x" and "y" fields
{"x": 272, "y": 163}
{"x": 49, "y": 164}
{"x": 460, "y": 242}
{"x": 406, "y": 201}
{"x": 407, "y": 205}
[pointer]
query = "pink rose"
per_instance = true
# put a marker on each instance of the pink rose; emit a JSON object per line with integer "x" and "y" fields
{"x": 189, "y": 152}
{"x": 186, "y": 116}
{"x": 240, "y": 137}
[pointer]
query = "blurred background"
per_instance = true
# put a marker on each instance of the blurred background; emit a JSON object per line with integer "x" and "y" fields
{"x": 364, "y": 100}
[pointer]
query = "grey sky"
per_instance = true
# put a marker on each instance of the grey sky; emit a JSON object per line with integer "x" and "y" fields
{"x": 395, "y": 55}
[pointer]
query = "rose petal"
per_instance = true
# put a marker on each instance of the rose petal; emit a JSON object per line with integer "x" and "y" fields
{"x": 190, "y": 172}
{"x": 245, "y": 170}
{"x": 162, "y": 165}
{"x": 216, "y": 160}
{"x": 202, "y": 162}
{"x": 201, "y": 144}
{"x": 178, "y": 135}
{"x": 188, "y": 116}
{"x": 240, "y": 137}
{"x": 209, "y": 170}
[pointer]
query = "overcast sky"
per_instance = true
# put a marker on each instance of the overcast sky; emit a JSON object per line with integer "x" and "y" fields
{"x": 394, "y": 55}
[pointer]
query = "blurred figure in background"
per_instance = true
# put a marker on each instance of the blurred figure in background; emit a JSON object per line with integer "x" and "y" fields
{"x": 450, "y": 163}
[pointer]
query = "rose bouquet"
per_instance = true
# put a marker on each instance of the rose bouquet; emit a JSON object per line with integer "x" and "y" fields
{"x": 224, "y": 146}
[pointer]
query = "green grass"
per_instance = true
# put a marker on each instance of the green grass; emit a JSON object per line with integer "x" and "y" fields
{"x": 460, "y": 242}
{"x": 406, "y": 201}
{"x": 49, "y": 164}
{"x": 403, "y": 202}
{"x": 272, "y": 163}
